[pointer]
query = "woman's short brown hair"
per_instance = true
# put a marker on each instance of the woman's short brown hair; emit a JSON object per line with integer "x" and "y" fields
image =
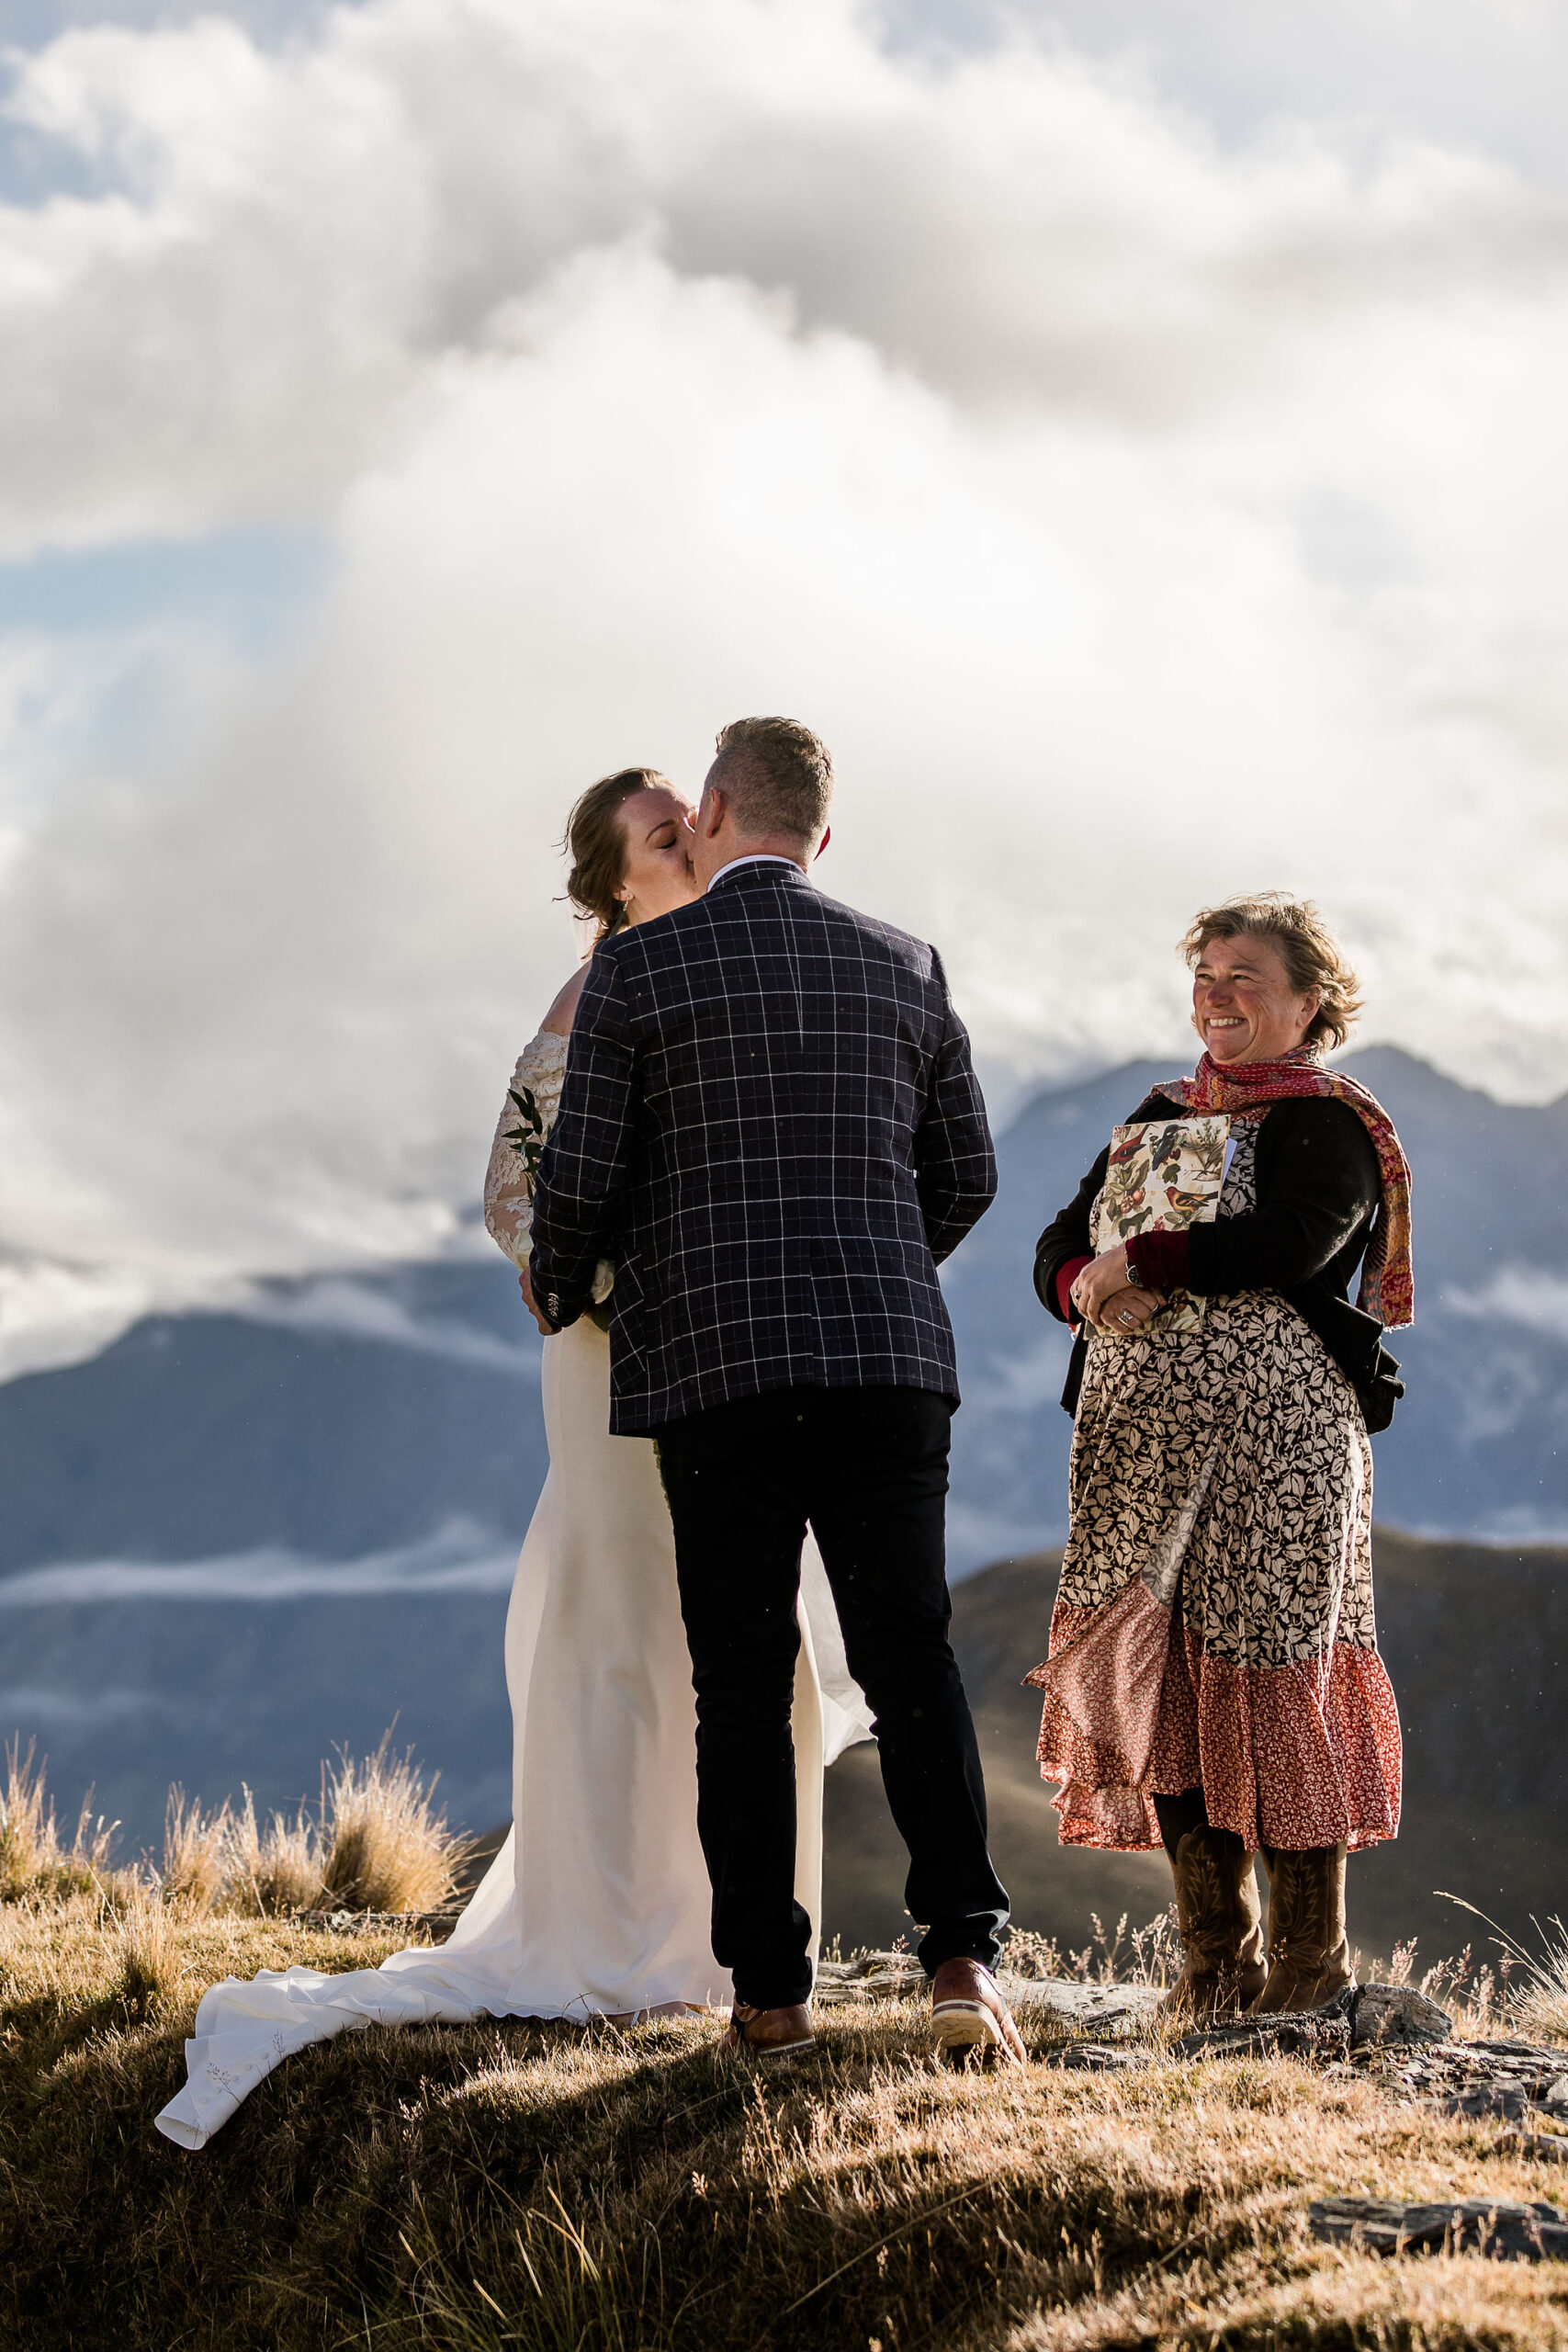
{"x": 596, "y": 843}
{"x": 1312, "y": 958}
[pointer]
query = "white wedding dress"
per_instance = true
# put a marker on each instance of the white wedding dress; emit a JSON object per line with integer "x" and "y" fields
{"x": 598, "y": 1903}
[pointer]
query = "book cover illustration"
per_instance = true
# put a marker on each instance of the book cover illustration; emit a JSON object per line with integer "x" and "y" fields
{"x": 1163, "y": 1174}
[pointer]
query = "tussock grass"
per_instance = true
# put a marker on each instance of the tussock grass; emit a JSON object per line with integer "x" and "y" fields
{"x": 196, "y": 1866}
{"x": 275, "y": 1871}
{"x": 1540, "y": 2001}
{"x": 1535, "y": 1982}
{"x": 145, "y": 1946}
{"x": 386, "y": 1847}
{"x": 34, "y": 1863}
{"x": 1542, "y": 2004}
{"x": 375, "y": 1843}
{"x": 568, "y": 2189}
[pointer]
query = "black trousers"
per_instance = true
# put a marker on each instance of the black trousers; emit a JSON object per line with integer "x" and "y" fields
{"x": 867, "y": 1467}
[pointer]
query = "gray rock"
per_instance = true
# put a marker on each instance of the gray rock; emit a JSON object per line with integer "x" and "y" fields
{"x": 1538, "y": 2148}
{"x": 1081, "y": 2005}
{"x": 1320, "y": 2034}
{"x": 875, "y": 1975}
{"x": 1396, "y": 2016}
{"x": 1099, "y": 2058}
{"x": 1556, "y": 2094}
{"x": 1509, "y": 2101}
{"x": 1471, "y": 2225}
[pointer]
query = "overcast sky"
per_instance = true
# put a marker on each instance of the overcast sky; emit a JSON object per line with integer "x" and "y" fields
{"x": 1131, "y": 432}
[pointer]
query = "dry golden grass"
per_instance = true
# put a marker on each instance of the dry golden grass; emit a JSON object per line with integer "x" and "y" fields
{"x": 386, "y": 1847}
{"x": 1542, "y": 2004}
{"x": 376, "y": 1844}
{"x": 275, "y": 1871}
{"x": 33, "y": 1861}
{"x": 593, "y": 2190}
{"x": 196, "y": 1853}
{"x": 1319, "y": 2300}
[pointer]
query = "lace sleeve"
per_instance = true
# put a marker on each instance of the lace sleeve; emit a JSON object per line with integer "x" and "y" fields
{"x": 509, "y": 1185}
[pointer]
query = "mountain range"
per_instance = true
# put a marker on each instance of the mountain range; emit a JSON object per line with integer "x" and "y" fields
{"x": 234, "y": 1538}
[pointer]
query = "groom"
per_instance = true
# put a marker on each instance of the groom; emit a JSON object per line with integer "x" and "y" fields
{"x": 771, "y": 1123}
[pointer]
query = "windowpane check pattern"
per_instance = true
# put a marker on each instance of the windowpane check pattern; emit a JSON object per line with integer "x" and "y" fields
{"x": 771, "y": 1123}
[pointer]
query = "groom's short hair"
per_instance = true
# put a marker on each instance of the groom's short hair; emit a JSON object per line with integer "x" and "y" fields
{"x": 779, "y": 777}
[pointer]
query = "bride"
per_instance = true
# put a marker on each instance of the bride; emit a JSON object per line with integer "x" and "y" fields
{"x": 597, "y": 1905}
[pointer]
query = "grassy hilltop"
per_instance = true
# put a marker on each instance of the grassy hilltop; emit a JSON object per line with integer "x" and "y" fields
{"x": 594, "y": 2190}
{"x": 545, "y": 2187}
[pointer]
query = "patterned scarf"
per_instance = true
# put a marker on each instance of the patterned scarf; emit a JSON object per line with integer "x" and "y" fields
{"x": 1388, "y": 1289}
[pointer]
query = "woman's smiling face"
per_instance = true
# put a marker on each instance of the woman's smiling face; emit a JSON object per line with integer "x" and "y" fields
{"x": 1244, "y": 1007}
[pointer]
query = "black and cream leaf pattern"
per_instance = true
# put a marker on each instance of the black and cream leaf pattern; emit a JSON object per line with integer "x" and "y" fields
{"x": 1249, "y": 1415}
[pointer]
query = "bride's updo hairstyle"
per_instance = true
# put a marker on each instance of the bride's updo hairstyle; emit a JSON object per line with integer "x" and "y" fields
{"x": 596, "y": 843}
{"x": 1311, "y": 954}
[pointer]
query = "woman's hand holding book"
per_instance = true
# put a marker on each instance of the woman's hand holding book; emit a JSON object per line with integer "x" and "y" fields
{"x": 1110, "y": 1297}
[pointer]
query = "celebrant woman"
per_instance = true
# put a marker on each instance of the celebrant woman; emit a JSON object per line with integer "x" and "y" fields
{"x": 1214, "y": 1682}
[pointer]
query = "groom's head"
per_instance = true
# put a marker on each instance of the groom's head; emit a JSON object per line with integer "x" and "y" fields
{"x": 767, "y": 792}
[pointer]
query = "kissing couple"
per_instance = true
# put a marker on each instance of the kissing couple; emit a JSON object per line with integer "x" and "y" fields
{"x": 733, "y": 1157}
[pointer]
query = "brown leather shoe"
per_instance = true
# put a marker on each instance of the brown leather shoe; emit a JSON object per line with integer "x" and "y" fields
{"x": 1222, "y": 1927}
{"x": 771, "y": 2033}
{"x": 969, "y": 2013}
{"x": 1309, "y": 1950}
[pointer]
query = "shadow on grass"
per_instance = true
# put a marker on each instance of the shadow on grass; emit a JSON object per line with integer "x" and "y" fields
{"x": 546, "y": 2186}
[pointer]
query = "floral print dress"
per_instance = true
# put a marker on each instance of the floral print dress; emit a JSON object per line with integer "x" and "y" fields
{"x": 1215, "y": 1625}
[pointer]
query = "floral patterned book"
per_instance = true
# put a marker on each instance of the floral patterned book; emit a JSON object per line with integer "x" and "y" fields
{"x": 1163, "y": 1174}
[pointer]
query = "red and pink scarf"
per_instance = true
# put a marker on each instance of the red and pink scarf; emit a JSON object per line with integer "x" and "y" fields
{"x": 1388, "y": 1289}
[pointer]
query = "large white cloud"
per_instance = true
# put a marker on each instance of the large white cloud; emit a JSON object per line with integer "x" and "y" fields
{"x": 1139, "y": 517}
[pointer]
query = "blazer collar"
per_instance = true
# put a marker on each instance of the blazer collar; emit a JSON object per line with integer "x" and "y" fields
{"x": 763, "y": 869}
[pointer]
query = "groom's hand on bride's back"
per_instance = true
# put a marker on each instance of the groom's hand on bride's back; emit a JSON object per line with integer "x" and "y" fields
{"x": 527, "y": 1287}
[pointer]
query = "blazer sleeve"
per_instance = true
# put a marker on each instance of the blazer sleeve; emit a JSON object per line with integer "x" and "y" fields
{"x": 583, "y": 1176}
{"x": 955, "y": 1166}
{"x": 1324, "y": 1188}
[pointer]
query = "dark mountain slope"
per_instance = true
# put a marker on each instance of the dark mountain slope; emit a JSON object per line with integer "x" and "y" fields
{"x": 201, "y": 1434}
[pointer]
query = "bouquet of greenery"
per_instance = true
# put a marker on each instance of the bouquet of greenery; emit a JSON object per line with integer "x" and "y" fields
{"x": 527, "y": 1138}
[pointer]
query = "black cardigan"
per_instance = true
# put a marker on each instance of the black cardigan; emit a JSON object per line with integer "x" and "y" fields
{"x": 1319, "y": 1189}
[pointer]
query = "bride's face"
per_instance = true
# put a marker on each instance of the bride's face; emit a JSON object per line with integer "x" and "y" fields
{"x": 656, "y": 826}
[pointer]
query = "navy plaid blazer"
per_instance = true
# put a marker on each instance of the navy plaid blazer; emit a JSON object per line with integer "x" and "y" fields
{"x": 770, "y": 1122}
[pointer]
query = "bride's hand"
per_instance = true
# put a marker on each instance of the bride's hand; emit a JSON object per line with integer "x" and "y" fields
{"x": 1107, "y": 1302}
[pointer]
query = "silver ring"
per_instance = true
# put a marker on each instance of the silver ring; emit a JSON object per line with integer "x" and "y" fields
{"x": 1125, "y": 1316}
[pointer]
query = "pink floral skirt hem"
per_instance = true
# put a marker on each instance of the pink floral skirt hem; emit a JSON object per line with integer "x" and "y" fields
{"x": 1307, "y": 1754}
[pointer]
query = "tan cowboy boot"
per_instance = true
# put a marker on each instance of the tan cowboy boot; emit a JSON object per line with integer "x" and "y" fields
{"x": 771, "y": 2033}
{"x": 1222, "y": 1927}
{"x": 1309, "y": 1951}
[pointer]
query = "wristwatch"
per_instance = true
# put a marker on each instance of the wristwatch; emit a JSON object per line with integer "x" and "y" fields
{"x": 1134, "y": 1279}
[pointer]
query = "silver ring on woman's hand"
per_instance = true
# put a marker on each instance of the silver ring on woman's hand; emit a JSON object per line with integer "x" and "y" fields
{"x": 1125, "y": 1316}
